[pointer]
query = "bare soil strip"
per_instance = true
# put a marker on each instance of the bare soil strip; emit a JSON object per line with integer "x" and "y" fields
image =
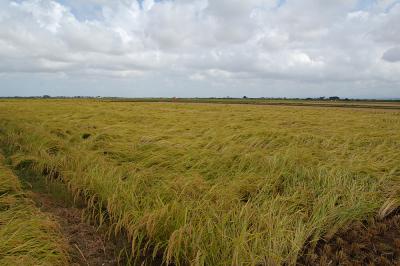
{"x": 88, "y": 246}
{"x": 377, "y": 243}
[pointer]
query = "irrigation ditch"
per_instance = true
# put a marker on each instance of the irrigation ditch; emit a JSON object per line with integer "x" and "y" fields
{"x": 89, "y": 243}
{"x": 82, "y": 218}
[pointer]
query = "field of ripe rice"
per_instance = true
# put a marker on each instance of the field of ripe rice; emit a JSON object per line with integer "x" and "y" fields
{"x": 27, "y": 236}
{"x": 206, "y": 184}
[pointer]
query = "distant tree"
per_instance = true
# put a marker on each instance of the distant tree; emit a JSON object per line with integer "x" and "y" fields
{"x": 334, "y": 98}
{"x": 46, "y": 96}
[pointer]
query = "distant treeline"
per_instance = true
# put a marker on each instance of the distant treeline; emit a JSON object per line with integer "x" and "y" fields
{"x": 202, "y": 99}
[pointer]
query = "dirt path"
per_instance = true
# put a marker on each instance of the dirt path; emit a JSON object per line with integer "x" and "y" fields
{"x": 88, "y": 246}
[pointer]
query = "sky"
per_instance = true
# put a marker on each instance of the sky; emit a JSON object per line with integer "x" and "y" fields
{"x": 200, "y": 48}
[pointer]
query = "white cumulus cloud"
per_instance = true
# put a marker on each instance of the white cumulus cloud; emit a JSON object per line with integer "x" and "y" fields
{"x": 319, "y": 45}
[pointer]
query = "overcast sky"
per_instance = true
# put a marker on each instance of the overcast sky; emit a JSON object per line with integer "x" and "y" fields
{"x": 199, "y": 48}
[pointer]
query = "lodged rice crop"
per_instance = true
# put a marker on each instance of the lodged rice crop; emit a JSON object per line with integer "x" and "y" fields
{"x": 205, "y": 184}
{"x": 27, "y": 236}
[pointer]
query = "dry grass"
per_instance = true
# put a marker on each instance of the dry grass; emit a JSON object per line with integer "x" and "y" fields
{"x": 27, "y": 236}
{"x": 213, "y": 184}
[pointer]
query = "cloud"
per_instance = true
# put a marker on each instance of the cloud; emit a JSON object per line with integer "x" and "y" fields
{"x": 306, "y": 41}
{"x": 392, "y": 54}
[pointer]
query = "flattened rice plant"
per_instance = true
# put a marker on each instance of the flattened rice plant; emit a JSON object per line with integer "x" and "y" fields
{"x": 27, "y": 236}
{"x": 208, "y": 184}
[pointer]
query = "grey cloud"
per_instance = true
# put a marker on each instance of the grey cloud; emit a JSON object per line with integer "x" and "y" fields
{"x": 392, "y": 55}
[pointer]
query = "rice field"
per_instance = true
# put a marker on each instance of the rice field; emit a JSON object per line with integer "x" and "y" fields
{"x": 27, "y": 236}
{"x": 207, "y": 184}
